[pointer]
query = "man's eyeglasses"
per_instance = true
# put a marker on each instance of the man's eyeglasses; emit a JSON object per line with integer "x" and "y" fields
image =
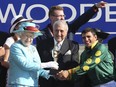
{"x": 59, "y": 16}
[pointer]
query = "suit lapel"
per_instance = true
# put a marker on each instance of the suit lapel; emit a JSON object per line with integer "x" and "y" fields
{"x": 64, "y": 47}
{"x": 50, "y": 45}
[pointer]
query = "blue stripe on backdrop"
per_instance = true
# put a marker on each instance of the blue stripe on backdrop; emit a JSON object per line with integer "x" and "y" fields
{"x": 38, "y": 9}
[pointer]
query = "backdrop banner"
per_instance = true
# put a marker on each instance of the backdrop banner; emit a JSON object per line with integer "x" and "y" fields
{"x": 105, "y": 19}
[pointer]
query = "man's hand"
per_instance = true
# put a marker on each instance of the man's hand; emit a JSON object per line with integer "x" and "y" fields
{"x": 63, "y": 75}
{"x": 101, "y": 4}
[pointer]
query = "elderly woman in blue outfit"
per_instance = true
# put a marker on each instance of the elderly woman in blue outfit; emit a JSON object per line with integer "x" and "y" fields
{"x": 25, "y": 64}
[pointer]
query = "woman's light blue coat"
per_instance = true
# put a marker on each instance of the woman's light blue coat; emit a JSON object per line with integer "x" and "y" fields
{"x": 25, "y": 66}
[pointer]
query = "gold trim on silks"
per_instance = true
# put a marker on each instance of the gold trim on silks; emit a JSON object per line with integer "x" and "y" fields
{"x": 98, "y": 53}
{"x": 76, "y": 69}
{"x": 72, "y": 71}
{"x": 85, "y": 68}
{"x": 70, "y": 74}
{"x": 89, "y": 61}
{"x": 97, "y": 60}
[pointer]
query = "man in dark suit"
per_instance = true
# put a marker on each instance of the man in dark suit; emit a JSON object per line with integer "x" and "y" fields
{"x": 57, "y": 13}
{"x": 68, "y": 55}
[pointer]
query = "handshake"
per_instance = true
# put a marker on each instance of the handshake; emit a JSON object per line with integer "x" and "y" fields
{"x": 61, "y": 75}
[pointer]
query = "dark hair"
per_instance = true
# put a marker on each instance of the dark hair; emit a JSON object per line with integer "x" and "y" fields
{"x": 100, "y": 34}
{"x": 53, "y": 8}
{"x": 89, "y": 30}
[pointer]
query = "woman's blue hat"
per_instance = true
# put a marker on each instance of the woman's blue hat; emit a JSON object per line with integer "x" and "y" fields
{"x": 29, "y": 27}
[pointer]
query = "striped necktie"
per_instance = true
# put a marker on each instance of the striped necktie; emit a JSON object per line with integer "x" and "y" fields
{"x": 56, "y": 52}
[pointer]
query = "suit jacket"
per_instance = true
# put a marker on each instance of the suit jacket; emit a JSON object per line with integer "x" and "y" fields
{"x": 25, "y": 66}
{"x": 68, "y": 58}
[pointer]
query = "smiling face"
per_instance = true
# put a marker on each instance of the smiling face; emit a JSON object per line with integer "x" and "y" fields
{"x": 56, "y": 13}
{"x": 27, "y": 38}
{"x": 60, "y": 29}
{"x": 60, "y": 33}
{"x": 89, "y": 38}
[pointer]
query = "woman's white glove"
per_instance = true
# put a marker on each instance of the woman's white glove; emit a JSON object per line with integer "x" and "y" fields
{"x": 51, "y": 64}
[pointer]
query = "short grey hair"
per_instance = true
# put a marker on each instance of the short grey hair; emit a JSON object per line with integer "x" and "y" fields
{"x": 61, "y": 22}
